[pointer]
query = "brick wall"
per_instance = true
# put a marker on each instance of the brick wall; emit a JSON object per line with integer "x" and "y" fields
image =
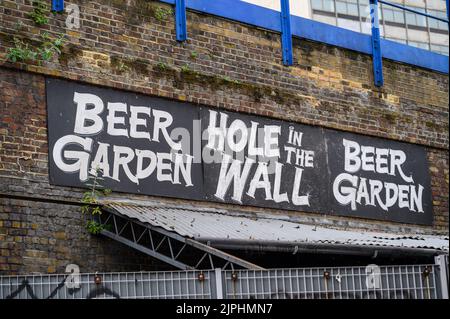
{"x": 38, "y": 237}
{"x": 223, "y": 64}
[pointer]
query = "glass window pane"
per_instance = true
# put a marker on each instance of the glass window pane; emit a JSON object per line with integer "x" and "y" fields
{"x": 317, "y": 5}
{"x": 352, "y": 9}
{"x": 364, "y": 11}
{"x": 421, "y": 20}
{"x": 442, "y": 25}
{"x": 433, "y": 23}
{"x": 328, "y": 5}
{"x": 410, "y": 18}
{"x": 388, "y": 14}
{"x": 399, "y": 17}
{"x": 341, "y": 7}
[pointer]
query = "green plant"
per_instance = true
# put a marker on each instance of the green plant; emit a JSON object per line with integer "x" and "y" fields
{"x": 185, "y": 68}
{"x": 94, "y": 227}
{"x": 161, "y": 14}
{"x": 50, "y": 47}
{"x": 194, "y": 54}
{"x": 40, "y": 12}
{"x": 161, "y": 66}
{"x": 122, "y": 67}
{"x": 24, "y": 52}
{"x": 230, "y": 80}
{"x": 90, "y": 201}
{"x": 20, "y": 52}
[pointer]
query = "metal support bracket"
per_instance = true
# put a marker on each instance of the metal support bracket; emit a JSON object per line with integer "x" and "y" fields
{"x": 57, "y": 5}
{"x": 286, "y": 33}
{"x": 376, "y": 45}
{"x": 180, "y": 20}
{"x": 178, "y": 251}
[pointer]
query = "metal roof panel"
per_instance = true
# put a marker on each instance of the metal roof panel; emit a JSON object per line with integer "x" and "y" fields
{"x": 211, "y": 224}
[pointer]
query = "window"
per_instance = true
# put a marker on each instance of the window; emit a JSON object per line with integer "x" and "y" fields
{"x": 441, "y": 49}
{"x": 364, "y": 10}
{"x": 347, "y": 7}
{"x": 415, "y": 19}
{"x": 436, "y": 24}
{"x": 391, "y": 14}
{"x": 328, "y": 5}
{"x": 323, "y": 5}
{"x": 400, "y": 25}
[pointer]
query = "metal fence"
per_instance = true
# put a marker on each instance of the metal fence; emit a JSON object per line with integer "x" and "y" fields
{"x": 388, "y": 282}
{"x": 135, "y": 285}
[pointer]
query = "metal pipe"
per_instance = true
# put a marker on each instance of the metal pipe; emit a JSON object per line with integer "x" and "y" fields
{"x": 412, "y": 10}
{"x": 291, "y": 247}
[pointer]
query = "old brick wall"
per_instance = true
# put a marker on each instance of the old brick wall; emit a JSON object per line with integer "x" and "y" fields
{"x": 37, "y": 237}
{"x": 131, "y": 45}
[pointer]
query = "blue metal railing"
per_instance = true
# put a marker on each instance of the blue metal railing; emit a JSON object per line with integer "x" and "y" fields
{"x": 290, "y": 26}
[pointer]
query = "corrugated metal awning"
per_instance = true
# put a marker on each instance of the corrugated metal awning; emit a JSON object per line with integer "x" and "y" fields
{"x": 218, "y": 226}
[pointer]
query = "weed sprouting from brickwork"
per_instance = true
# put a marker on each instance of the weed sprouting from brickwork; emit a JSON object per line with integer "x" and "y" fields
{"x": 194, "y": 54}
{"x": 40, "y": 12}
{"x": 161, "y": 14}
{"x": 44, "y": 52}
{"x": 90, "y": 200}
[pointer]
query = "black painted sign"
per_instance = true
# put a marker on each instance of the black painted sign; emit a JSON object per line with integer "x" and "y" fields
{"x": 153, "y": 146}
{"x": 131, "y": 138}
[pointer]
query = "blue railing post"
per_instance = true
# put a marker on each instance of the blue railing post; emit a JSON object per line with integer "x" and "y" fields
{"x": 286, "y": 34}
{"x": 180, "y": 20}
{"x": 57, "y": 5}
{"x": 376, "y": 45}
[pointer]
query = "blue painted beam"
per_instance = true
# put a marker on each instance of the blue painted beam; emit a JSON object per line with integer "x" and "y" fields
{"x": 261, "y": 17}
{"x": 286, "y": 34}
{"x": 180, "y": 20}
{"x": 57, "y": 5}
{"x": 376, "y": 45}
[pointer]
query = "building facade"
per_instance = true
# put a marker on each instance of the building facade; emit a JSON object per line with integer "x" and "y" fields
{"x": 84, "y": 108}
{"x": 395, "y": 24}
